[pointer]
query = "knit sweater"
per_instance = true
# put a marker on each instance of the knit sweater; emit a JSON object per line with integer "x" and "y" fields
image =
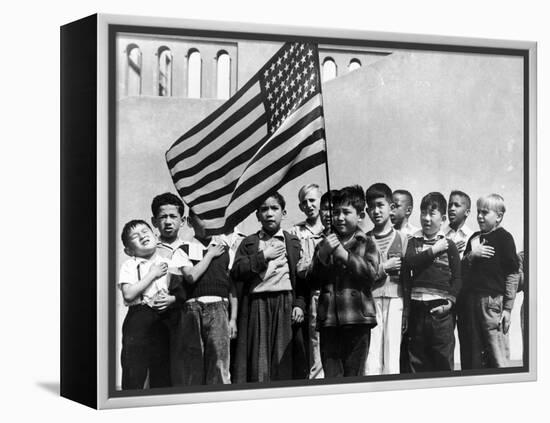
{"x": 489, "y": 276}
{"x": 214, "y": 281}
{"x": 432, "y": 274}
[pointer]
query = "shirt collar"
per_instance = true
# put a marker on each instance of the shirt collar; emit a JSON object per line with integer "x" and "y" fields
{"x": 420, "y": 234}
{"x": 463, "y": 230}
{"x": 264, "y": 235}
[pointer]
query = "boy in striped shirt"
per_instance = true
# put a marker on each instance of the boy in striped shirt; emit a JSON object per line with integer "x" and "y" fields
{"x": 387, "y": 292}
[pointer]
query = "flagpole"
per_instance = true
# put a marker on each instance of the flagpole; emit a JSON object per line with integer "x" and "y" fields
{"x": 329, "y": 229}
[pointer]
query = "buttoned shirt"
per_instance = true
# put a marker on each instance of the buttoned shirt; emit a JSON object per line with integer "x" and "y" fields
{"x": 277, "y": 275}
{"x": 309, "y": 238}
{"x": 134, "y": 269}
{"x": 463, "y": 234}
{"x": 165, "y": 249}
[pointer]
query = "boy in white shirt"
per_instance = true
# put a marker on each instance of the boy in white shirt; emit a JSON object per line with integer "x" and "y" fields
{"x": 144, "y": 284}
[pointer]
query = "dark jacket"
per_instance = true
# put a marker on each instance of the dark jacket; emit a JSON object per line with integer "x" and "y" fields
{"x": 250, "y": 263}
{"x": 346, "y": 297}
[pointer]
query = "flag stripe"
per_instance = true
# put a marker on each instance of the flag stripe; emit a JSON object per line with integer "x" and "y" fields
{"x": 296, "y": 170}
{"x": 217, "y": 113}
{"x": 298, "y": 124}
{"x": 239, "y": 143}
{"x": 262, "y": 175}
{"x": 215, "y": 135}
{"x": 222, "y": 175}
{"x": 258, "y": 166}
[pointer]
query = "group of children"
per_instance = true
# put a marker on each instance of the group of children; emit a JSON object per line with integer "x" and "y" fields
{"x": 323, "y": 300}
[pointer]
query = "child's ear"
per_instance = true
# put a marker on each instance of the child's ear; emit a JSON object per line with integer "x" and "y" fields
{"x": 408, "y": 211}
{"x": 467, "y": 213}
{"x": 499, "y": 217}
{"x": 443, "y": 218}
{"x": 362, "y": 215}
{"x": 284, "y": 214}
{"x": 258, "y": 215}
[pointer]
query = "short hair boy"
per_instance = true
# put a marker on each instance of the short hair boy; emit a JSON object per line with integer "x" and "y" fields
{"x": 310, "y": 233}
{"x": 491, "y": 266}
{"x": 344, "y": 267}
{"x": 270, "y": 345}
{"x": 143, "y": 282}
{"x": 431, "y": 268}
{"x": 167, "y": 210}
{"x": 209, "y": 315}
{"x": 387, "y": 292}
{"x": 458, "y": 211}
{"x": 403, "y": 207}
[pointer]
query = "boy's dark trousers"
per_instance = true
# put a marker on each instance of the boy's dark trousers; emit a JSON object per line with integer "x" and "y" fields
{"x": 344, "y": 350}
{"x": 145, "y": 349}
{"x": 431, "y": 340}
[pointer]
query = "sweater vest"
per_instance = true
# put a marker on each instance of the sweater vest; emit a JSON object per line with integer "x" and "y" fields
{"x": 214, "y": 281}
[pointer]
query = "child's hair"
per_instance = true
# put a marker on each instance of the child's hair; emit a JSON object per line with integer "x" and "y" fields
{"x": 167, "y": 199}
{"x": 406, "y": 194}
{"x": 463, "y": 195}
{"x": 128, "y": 227}
{"x": 307, "y": 188}
{"x": 277, "y": 196}
{"x": 352, "y": 195}
{"x": 493, "y": 202}
{"x": 378, "y": 190}
{"x": 434, "y": 201}
{"x": 328, "y": 196}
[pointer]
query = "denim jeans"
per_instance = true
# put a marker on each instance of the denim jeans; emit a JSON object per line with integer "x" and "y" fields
{"x": 483, "y": 344}
{"x": 344, "y": 350}
{"x": 431, "y": 339}
{"x": 205, "y": 346}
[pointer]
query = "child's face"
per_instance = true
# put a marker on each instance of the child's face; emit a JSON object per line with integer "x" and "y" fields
{"x": 457, "y": 210}
{"x": 141, "y": 242}
{"x": 325, "y": 214}
{"x": 431, "y": 221}
{"x": 270, "y": 214}
{"x": 379, "y": 210}
{"x": 400, "y": 210}
{"x": 488, "y": 219}
{"x": 309, "y": 204}
{"x": 168, "y": 221}
{"x": 346, "y": 219}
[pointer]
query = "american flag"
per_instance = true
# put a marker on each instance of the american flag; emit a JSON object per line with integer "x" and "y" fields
{"x": 270, "y": 132}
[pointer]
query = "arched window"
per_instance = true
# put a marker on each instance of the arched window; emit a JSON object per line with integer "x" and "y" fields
{"x": 329, "y": 69}
{"x": 165, "y": 72}
{"x": 223, "y": 75}
{"x": 354, "y": 64}
{"x": 133, "y": 70}
{"x": 194, "y": 74}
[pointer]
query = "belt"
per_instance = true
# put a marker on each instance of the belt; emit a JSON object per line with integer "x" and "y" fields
{"x": 207, "y": 299}
{"x": 430, "y": 304}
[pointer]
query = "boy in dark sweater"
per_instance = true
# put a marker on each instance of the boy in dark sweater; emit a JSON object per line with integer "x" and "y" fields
{"x": 490, "y": 265}
{"x": 431, "y": 275}
{"x": 209, "y": 315}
